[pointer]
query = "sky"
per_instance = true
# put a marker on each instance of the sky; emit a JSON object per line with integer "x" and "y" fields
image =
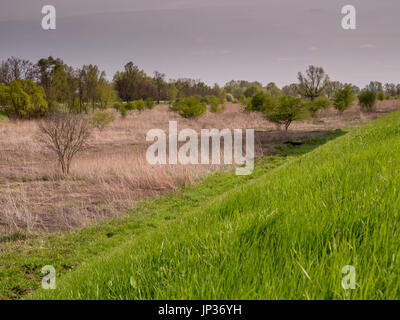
{"x": 212, "y": 40}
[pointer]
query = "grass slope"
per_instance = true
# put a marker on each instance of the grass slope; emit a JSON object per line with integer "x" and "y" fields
{"x": 284, "y": 235}
{"x": 23, "y": 255}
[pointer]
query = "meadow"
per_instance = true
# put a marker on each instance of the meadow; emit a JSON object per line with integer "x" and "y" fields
{"x": 285, "y": 234}
{"x": 113, "y": 197}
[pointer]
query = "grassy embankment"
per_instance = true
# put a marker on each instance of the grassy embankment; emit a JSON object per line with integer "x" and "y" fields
{"x": 23, "y": 255}
{"x": 286, "y": 234}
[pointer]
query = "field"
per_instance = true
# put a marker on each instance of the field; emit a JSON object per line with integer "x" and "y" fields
{"x": 110, "y": 182}
{"x": 285, "y": 234}
{"x": 109, "y": 176}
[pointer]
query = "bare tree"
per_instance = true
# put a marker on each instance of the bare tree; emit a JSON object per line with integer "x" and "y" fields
{"x": 313, "y": 84}
{"x": 65, "y": 135}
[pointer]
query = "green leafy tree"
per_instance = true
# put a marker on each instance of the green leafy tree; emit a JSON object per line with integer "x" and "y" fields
{"x": 367, "y": 99}
{"x": 318, "y": 104}
{"x": 285, "y": 110}
{"x": 189, "y": 107}
{"x": 101, "y": 120}
{"x": 215, "y": 105}
{"x": 343, "y": 98}
{"x": 23, "y": 99}
{"x": 258, "y": 102}
{"x": 106, "y": 93}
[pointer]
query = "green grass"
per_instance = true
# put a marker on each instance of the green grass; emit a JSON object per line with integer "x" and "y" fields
{"x": 284, "y": 235}
{"x": 22, "y": 256}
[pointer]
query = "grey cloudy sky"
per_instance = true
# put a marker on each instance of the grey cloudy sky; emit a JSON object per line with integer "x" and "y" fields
{"x": 212, "y": 40}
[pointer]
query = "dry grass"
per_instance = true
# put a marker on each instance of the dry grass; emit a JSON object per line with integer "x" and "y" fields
{"x": 113, "y": 173}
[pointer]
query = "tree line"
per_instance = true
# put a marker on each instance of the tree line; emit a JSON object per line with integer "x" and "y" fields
{"x": 33, "y": 89}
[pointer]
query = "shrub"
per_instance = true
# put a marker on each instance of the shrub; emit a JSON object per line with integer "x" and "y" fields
{"x": 367, "y": 99}
{"x": 284, "y": 110}
{"x": 257, "y": 102}
{"x": 260, "y": 102}
{"x": 381, "y": 96}
{"x": 215, "y": 105}
{"x": 23, "y": 99}
{"x": 100, "y": 120}
{"x": 318, "y": 104}
{"x": 139, "y": 105}
{"x": 189, "y": 107}
{"x": 343, "y": 98}
{"x": 129, "y": 106}
{"x": 122, "y": 110}
{"x": 229, "y": 97}
{"x": 149, "y": 103}
{"x": 65, "y": 135}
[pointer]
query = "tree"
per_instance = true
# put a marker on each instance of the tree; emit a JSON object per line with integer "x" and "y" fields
{"x": 23, "y": 99}
{"x": 367, "y": 99}
{"x": 92, "y": 79}
{"x": 159, "y": 79}
{"x": 318, "y": 104}
{"x": 17, "y": 69}
{"x": 129, "y": 83}
{"x": 343, "y": 98}
{"x": 291, "y": 90}
{"x": 251, "y": 91}
{"x": 375, "y": 86}
{"x": 285, "y": 110}
{"x": 313, "y": 84}
{"x": 260, "y": 102}
{"x": 65, "y": 135}
{"x": 390, "y": 89}
{"x": 273, "y": 90}
{"x": 332, "y": 87}
{"x": 52, "y": 77}
{"x": 189, "y": 107}
{"x": 106, "y": 93}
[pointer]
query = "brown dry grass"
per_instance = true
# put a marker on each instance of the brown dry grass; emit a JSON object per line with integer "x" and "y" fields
{"x": 113, "y": 173}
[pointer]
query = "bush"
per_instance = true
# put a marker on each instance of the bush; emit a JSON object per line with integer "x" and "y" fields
{"x": 100, "y": 120}
{"x": 150, "y": 104}
{"x": 23, "y": 99}
{"x": 260, "y": 102}
{"x": 381, "y": 96}
{"x": 215, "y": 105}
{"x": 229, "y": 97}
{"x": 343, "y": 98}
{"x": 122, "y": 110}
{"x": 367, "y": 99}
{"x": 129, "y": 106}
{"x": 189, "y": 107}
{"x": 318, "y": 104}
{"x": 139, "y": 105}
{"x": 257, "y": 102}
{"x": 284, "y": 110}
